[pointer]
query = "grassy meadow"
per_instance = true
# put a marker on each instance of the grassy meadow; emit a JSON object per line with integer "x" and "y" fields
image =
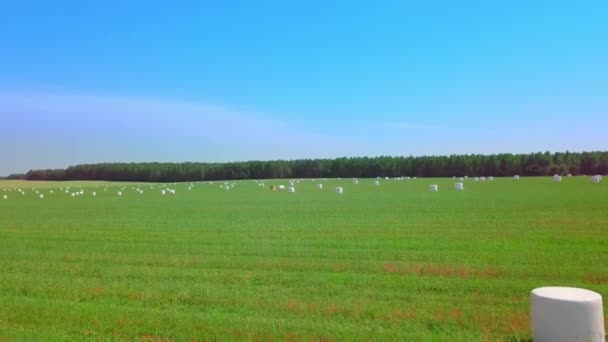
{"x": 389, "y": 262}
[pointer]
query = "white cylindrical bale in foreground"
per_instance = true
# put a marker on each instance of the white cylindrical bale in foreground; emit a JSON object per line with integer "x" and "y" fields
{"x": 459, "y": 186}
{"x": 120, "y": 193}
{"x": 5, "y": 197}
{"x": 355, "y": 181}
{"x": 596, "y": 179}
{"x": 319, "y": 186}
{"x": 41, "y": 196}
{"x": 339, "y": 190}
{"x": 281, "y": 187}
{"x": 557, "y": 178}
{"x": 516, "y": 177}
{"x": 433, "y": 188}
{"x": 291, "y": 189}
{"x": 566, "y": 314}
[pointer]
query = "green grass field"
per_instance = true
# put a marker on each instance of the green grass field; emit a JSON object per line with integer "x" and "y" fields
{"x": 393, "y": 262}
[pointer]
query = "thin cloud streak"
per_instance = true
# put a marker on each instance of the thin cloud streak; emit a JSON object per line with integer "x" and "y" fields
{"x": 60, "y": 129}
{"x": 395, "y": 125}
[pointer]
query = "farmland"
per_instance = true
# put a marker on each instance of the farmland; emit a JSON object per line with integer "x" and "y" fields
{"x": 387, "y": 262}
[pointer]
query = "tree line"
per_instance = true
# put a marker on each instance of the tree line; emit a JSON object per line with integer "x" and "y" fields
{"x": 533, "y": 164}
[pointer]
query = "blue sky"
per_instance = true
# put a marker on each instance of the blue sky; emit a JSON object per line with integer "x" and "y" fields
{"x": 240, "y": 80}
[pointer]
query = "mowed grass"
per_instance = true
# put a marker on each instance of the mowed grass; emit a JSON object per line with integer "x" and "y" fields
{"x": 388, "y": 262}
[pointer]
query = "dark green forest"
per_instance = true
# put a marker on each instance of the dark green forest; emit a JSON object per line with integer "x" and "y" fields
{"x": 534, "y": 164}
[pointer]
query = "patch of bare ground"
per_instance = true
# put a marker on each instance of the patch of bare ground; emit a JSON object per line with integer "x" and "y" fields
{"x": 154, "y": 338}
{"x": 430, "y": 270}
{"x": 597, "y": 279}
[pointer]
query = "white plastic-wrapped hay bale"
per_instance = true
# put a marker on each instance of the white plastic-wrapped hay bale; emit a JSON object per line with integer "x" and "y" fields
{"x": 73, "y": 194}
{"x": 459, "y": 186}
{"x": 516, "y": 177}
{"x": 41, "y": 196}
{"x": 566, "y": 314}
{"x": 164, "y": 192}
{"x": 281, "y": 187}
{"x": 4, "y": 197}
{"x": 120, "y": 193}
{"x": 376, "y": 183}
{"x": 291, "y": 189}
{"x": 483, "y": 179}
{"x": 433, "y": 188}
{"x": 339, "y": 190}
{"x": 93, "y": 194}
{"x": 557, "y": 178}
{"x": 490, "y": 178}
{"x": 596, "y": 178}
{"x": 355, "y": 181}
{"x": 319, "y": 186}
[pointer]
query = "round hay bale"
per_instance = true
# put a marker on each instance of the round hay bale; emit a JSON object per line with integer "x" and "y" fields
{"x": 565, "y": 314}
